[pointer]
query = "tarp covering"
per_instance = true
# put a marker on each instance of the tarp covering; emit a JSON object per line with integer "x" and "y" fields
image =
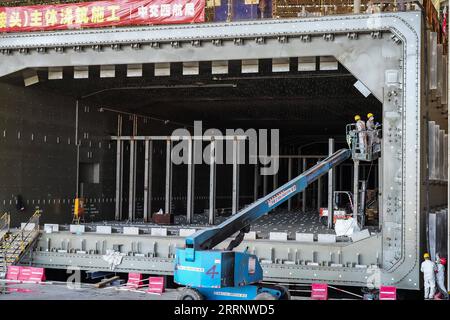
{"x": 100, "y": 14}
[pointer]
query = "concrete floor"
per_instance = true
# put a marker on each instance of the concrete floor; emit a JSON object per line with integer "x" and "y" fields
{"x": 60, "y": 291}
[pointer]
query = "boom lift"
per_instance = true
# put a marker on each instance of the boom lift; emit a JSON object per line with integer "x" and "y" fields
{"x": 226, "y": 274}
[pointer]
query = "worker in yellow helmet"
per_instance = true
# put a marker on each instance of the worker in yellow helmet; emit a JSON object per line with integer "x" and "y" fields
{"x": 428, "y": 268}
{"x": 361, "y": 129}
{"x": 370, "y": 126}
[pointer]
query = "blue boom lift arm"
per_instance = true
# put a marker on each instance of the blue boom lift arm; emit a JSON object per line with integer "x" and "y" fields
{"x": 207, "y": 239}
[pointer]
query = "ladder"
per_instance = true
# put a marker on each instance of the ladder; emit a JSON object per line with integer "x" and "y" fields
{"x": 16, "y": 242}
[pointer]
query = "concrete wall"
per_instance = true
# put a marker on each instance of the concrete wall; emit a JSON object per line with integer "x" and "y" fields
{"x": 38, "y": 155}
{"x": 38, "y": 160}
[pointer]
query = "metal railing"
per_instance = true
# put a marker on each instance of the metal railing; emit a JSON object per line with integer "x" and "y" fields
{"x": 4, "y": 224}
{"x": 365, "y": 144}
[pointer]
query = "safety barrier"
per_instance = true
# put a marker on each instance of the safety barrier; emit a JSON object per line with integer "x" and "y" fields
{"x": 156, "y": 285}
{"x": 134, "y": 280}
{"x": 319, "y": 291}
{"x": 388, "y": 293}
{"x": 25, "y": 274}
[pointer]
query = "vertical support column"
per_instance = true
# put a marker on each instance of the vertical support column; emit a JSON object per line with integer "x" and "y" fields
{"x": 265, "y": 178}
{"x": 376, "y": 177}
{"x": 330, "y": 185}
{"x": 77, "y": 144}
{"x": 355, "y": 189}
{"x": 448, "y": 172}
{"x": 379, "y": 185}
{"x": 289, "y": 179}
{"x": 148, "y": 180}
{"x": 119, "y": 170}
{"x": 299, "y": 171}
{"x": 304, "y": 191}
{"x": 275, "y": 180}
{"x": 255, "y": 186}
{"x": 132, "y": 182}
{"x": 168, "y": 193}
{"x": 341, "y": 177}
{"x": 212, "y": 182}
{"x": 319, "y": 193}
{"x": 235, "y": 191}
{"x": 356, "y": 6}
{"x": 191, "y": 182}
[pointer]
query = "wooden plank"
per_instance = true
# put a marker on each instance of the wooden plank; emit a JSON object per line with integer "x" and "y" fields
{"x": 104, "y": 282}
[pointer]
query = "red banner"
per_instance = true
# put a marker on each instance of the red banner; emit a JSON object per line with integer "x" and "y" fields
{"x": 101, "y": 14}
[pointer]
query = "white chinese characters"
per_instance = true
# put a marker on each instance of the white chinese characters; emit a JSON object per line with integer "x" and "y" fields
{"x": 167, "y": 10}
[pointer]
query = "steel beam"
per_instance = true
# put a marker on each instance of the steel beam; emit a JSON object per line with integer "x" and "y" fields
{"x": 203, "y": 32}
{"x": 191, "y": 182}
{"x": 275, "y": 181}
{"x": 265, "y": 184}
{"x": 235, "y": 191}
{"x": 330, "y": 186}
{"x": 355, "y": 189}
{"x": 132, "y": 182}
{"x": 448, "y": 167}
{"x": 289, "y": 179}
{"x": 119, "y": 171}
{"x": 168, "y": 190}
{"x": 148, "y": 173}
{"x": 212, "y": 182}
{"x": 304, "y": 192}
{"x": 255, "y": 182}
{"x": 319, "y": 194}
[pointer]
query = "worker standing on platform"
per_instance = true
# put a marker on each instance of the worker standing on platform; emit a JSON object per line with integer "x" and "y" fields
{"x": 361, "y": 129}
{"x": 440, "y": 277}
{"x": 428, "y": 268}
{"x": 370, "y": 126}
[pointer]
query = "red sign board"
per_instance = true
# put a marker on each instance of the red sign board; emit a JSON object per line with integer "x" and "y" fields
{"x": 100, "y": 14}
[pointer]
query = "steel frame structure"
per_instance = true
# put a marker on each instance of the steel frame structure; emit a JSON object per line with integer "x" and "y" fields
{"x": 383, "y": 51}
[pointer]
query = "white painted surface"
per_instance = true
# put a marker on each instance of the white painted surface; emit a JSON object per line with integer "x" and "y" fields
{"x": 159, "y": 232}
{"x": 304, "y": 237}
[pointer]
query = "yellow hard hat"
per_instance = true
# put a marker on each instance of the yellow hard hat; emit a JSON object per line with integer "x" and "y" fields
{"x": 369, "y": 115}
{"x": 357, "y": 117}
{"x": 426, "y": 255}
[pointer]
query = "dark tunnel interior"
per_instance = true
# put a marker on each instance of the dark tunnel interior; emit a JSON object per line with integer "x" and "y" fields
{"x": 308, "y": 108}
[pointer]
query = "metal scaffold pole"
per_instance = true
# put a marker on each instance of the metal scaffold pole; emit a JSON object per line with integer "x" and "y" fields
{"x": 448, "y": 175}
{"x": 355, "y": 189}
{"x": 212, "y": 183}
{"x": 330, "y": 185}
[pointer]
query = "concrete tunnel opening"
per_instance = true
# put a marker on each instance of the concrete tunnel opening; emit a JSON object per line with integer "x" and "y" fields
{"x": 308, "y": 108}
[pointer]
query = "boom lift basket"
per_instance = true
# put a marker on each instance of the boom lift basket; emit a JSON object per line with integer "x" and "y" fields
{"x": 365, "y": 144}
